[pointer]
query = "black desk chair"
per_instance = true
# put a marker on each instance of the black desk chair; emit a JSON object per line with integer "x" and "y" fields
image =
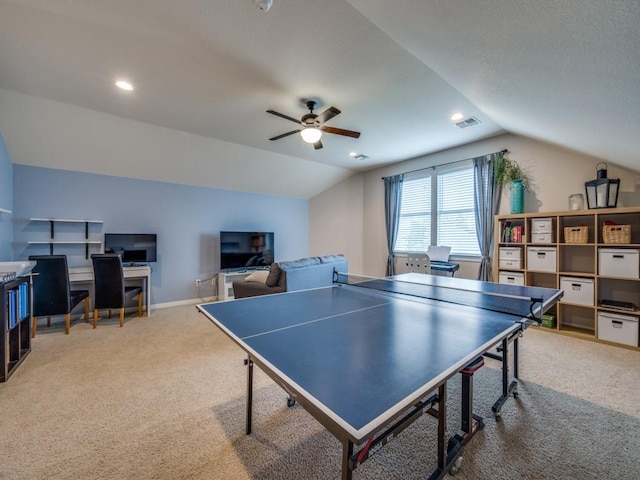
{"x": 110, "y": 291}
{"x": 52, "y": 294}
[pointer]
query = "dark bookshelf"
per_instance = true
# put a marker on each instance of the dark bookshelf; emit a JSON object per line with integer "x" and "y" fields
{"x": 15, "y": 316}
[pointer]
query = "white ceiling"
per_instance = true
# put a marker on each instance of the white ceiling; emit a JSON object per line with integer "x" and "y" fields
{"x": 566, "y": 72}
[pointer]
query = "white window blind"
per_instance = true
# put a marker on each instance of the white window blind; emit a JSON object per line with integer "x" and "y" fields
{"x": 448, "y": 217}
{"x": 456, "y": 212}
{"x": 414, "y": 230}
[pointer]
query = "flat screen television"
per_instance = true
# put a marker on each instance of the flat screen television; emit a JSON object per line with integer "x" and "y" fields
{"x": 245, "y": 250}
{"x": 132, "y": 247}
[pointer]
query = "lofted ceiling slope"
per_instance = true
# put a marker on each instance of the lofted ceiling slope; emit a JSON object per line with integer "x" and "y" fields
{"x": 563, "y": 72}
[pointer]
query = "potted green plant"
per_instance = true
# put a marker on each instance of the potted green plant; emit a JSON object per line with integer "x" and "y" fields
{"x": 508, "y": 172}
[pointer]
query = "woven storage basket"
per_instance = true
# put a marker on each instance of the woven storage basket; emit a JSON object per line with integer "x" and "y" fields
{"x": 616, "y": 233}
{"x": 576, "y": 234}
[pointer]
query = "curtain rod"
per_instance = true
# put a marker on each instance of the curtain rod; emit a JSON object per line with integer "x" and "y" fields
{"x": 505, "y": 151}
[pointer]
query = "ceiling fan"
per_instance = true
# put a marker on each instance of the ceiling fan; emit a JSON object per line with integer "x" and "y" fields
{"x": 313, "y": 125}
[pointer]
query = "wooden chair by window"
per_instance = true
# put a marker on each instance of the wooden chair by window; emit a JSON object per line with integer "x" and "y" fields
{"x": 418, "y": 263}
{"x": 52, "y": 294}
{"x": 110, "y": 291}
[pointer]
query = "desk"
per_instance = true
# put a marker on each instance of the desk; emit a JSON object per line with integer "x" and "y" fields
{"x": 140, "y": 272}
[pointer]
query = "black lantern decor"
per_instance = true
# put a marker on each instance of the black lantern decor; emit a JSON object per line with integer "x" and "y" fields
{"x": 602, "y": 192}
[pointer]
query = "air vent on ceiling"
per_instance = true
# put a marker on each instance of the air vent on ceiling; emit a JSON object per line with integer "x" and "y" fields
{"x": 467, "y": 122}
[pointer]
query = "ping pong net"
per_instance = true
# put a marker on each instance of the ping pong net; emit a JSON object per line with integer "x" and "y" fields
{"x": 483, "y": 295}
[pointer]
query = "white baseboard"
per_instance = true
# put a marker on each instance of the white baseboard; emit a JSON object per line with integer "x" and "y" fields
{"x": 178, "y": 303}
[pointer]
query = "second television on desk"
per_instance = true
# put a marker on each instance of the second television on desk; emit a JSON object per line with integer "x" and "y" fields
{"x": 132, "y": 247}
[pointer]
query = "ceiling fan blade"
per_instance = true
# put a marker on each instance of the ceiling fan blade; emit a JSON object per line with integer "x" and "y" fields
{"x": 328, "y": 114}
{"x": 318, "y": 145}
{"x": 286, "y": 134}
{"x": 282, "y": 115}
{"x": 340, "y": 131}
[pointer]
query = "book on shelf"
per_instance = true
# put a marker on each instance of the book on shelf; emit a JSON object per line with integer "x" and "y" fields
{"x": 17, "y": 305}
{"x": 511, "y": 234}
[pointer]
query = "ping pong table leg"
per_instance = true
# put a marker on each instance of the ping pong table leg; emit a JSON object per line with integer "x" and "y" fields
{"x": 249, "y": 363}
{"x": 507, "y": 388}
{"x": 347, "y": 451}
{"x": 442, "y": 427}
{"x": 470, "y": 421}
{"x": 515, "y": 357}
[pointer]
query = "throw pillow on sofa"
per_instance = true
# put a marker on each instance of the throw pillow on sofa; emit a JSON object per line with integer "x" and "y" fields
{"x": 258, "y": 276}
{"x": 274, "y": 275}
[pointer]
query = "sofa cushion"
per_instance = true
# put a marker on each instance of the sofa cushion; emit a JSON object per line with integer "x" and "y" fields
{"x": 303, "y": 262}
{"x": 258, "y": 276}
{"x": 274, "y": 275}
{"x": 332, "y": 258}
{"x": 243, "y": 289}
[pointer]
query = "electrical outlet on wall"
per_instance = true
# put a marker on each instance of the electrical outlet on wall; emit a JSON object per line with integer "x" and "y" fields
{"x": 198, "y": 282}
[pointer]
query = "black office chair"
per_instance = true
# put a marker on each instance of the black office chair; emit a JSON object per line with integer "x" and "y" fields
{"x": 52, "y": 294}
{"x": 110, "y": 291}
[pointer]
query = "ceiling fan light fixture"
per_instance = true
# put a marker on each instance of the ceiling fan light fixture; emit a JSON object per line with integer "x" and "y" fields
{"x": 124, "y": 85}
{"x": 311, "y": 134}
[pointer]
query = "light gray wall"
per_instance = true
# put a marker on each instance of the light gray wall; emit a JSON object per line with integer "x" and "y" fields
{"x": 556, "y": 173}
{"x": 339, "y": 231}
{"x": 6, "y": 203}
{"x": 186, "y": 219}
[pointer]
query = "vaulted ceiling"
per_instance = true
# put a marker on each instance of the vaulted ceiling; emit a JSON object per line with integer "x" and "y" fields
{"x": 564, "y": 72}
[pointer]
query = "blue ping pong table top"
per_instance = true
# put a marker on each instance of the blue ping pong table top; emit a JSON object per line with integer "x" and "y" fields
{"x": 361, "y": 356}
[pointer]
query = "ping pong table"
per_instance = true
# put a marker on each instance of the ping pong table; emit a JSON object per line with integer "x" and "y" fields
{"x": 367, "y": 359}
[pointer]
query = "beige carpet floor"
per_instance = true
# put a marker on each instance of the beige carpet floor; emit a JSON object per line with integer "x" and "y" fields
{"x": 163, "y": 398}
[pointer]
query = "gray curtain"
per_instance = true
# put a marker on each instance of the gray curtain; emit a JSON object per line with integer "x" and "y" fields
{"x": 392, "y": 202}
{"x": 487, "y": 200}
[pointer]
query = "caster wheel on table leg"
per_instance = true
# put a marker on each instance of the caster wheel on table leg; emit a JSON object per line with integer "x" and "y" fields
{"x": 455, "y": 468}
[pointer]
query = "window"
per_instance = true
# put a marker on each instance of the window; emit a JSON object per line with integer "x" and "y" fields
{"x": 414, "y": 230}
{"x": 439, "y": 206}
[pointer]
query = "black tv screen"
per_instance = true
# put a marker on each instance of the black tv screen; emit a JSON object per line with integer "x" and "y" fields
{"x": 239, "y": 250}
{"x": 132, "y": 247}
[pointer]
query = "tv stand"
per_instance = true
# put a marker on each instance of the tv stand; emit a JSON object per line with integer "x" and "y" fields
{"x": 226, "y": 279}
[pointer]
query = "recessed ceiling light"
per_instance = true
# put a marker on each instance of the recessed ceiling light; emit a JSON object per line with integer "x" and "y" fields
{"x": 353, "y": 154}
{"x": 124, "y": 85}
{"x": 456, "y": 116}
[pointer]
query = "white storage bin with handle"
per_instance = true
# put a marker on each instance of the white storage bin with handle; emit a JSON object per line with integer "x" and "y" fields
{"x": 542, "y": 225}
{"x": 542, "y": 230}
{"x": 511, "y": 278}
{"x": 510, "y": 257}
{"x": 618, "y": 328}
{"x": 577, "y": 290}
{"x": 542, "y": 259}
{"x": 619, "y": 262}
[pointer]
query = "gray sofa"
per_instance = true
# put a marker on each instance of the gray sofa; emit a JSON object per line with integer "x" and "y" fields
{"x": 312, "y": 272}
